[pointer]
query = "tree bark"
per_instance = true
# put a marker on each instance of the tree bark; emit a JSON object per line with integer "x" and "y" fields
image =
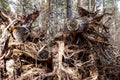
{"x": 69, "y": 9}
{"x": 103, "y": 1}
{"x": 94, "y": 7}
{"x": 45, "y": 14}
{"x": 89, "y": 5}
{"x": 49, "y": 11}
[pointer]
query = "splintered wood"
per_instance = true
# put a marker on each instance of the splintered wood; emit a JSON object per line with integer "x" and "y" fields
{"x": 59, "y": 59}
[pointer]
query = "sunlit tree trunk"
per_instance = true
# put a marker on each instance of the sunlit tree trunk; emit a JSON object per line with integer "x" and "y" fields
{"x": 89, "y": 5}
{"x": 95, "y": 7}
{"x": 103, "y": 1}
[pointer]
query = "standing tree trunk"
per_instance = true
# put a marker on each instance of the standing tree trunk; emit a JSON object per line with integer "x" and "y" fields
{"x": 103, "y": 1}
{"x": 69, "y": 9}
{"x": 89, "y": 5}
{"x": 113, "y": 29}
{"x": 49, "y": 11}
{"x": 45, "y": 14}
{"x": 94, "y": 7}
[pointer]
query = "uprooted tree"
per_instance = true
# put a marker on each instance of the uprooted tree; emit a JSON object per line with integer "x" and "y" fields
{"x": 81, "y": 51}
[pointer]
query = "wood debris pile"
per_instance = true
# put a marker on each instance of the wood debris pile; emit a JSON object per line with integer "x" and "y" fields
{"x": 82, "y": 52}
